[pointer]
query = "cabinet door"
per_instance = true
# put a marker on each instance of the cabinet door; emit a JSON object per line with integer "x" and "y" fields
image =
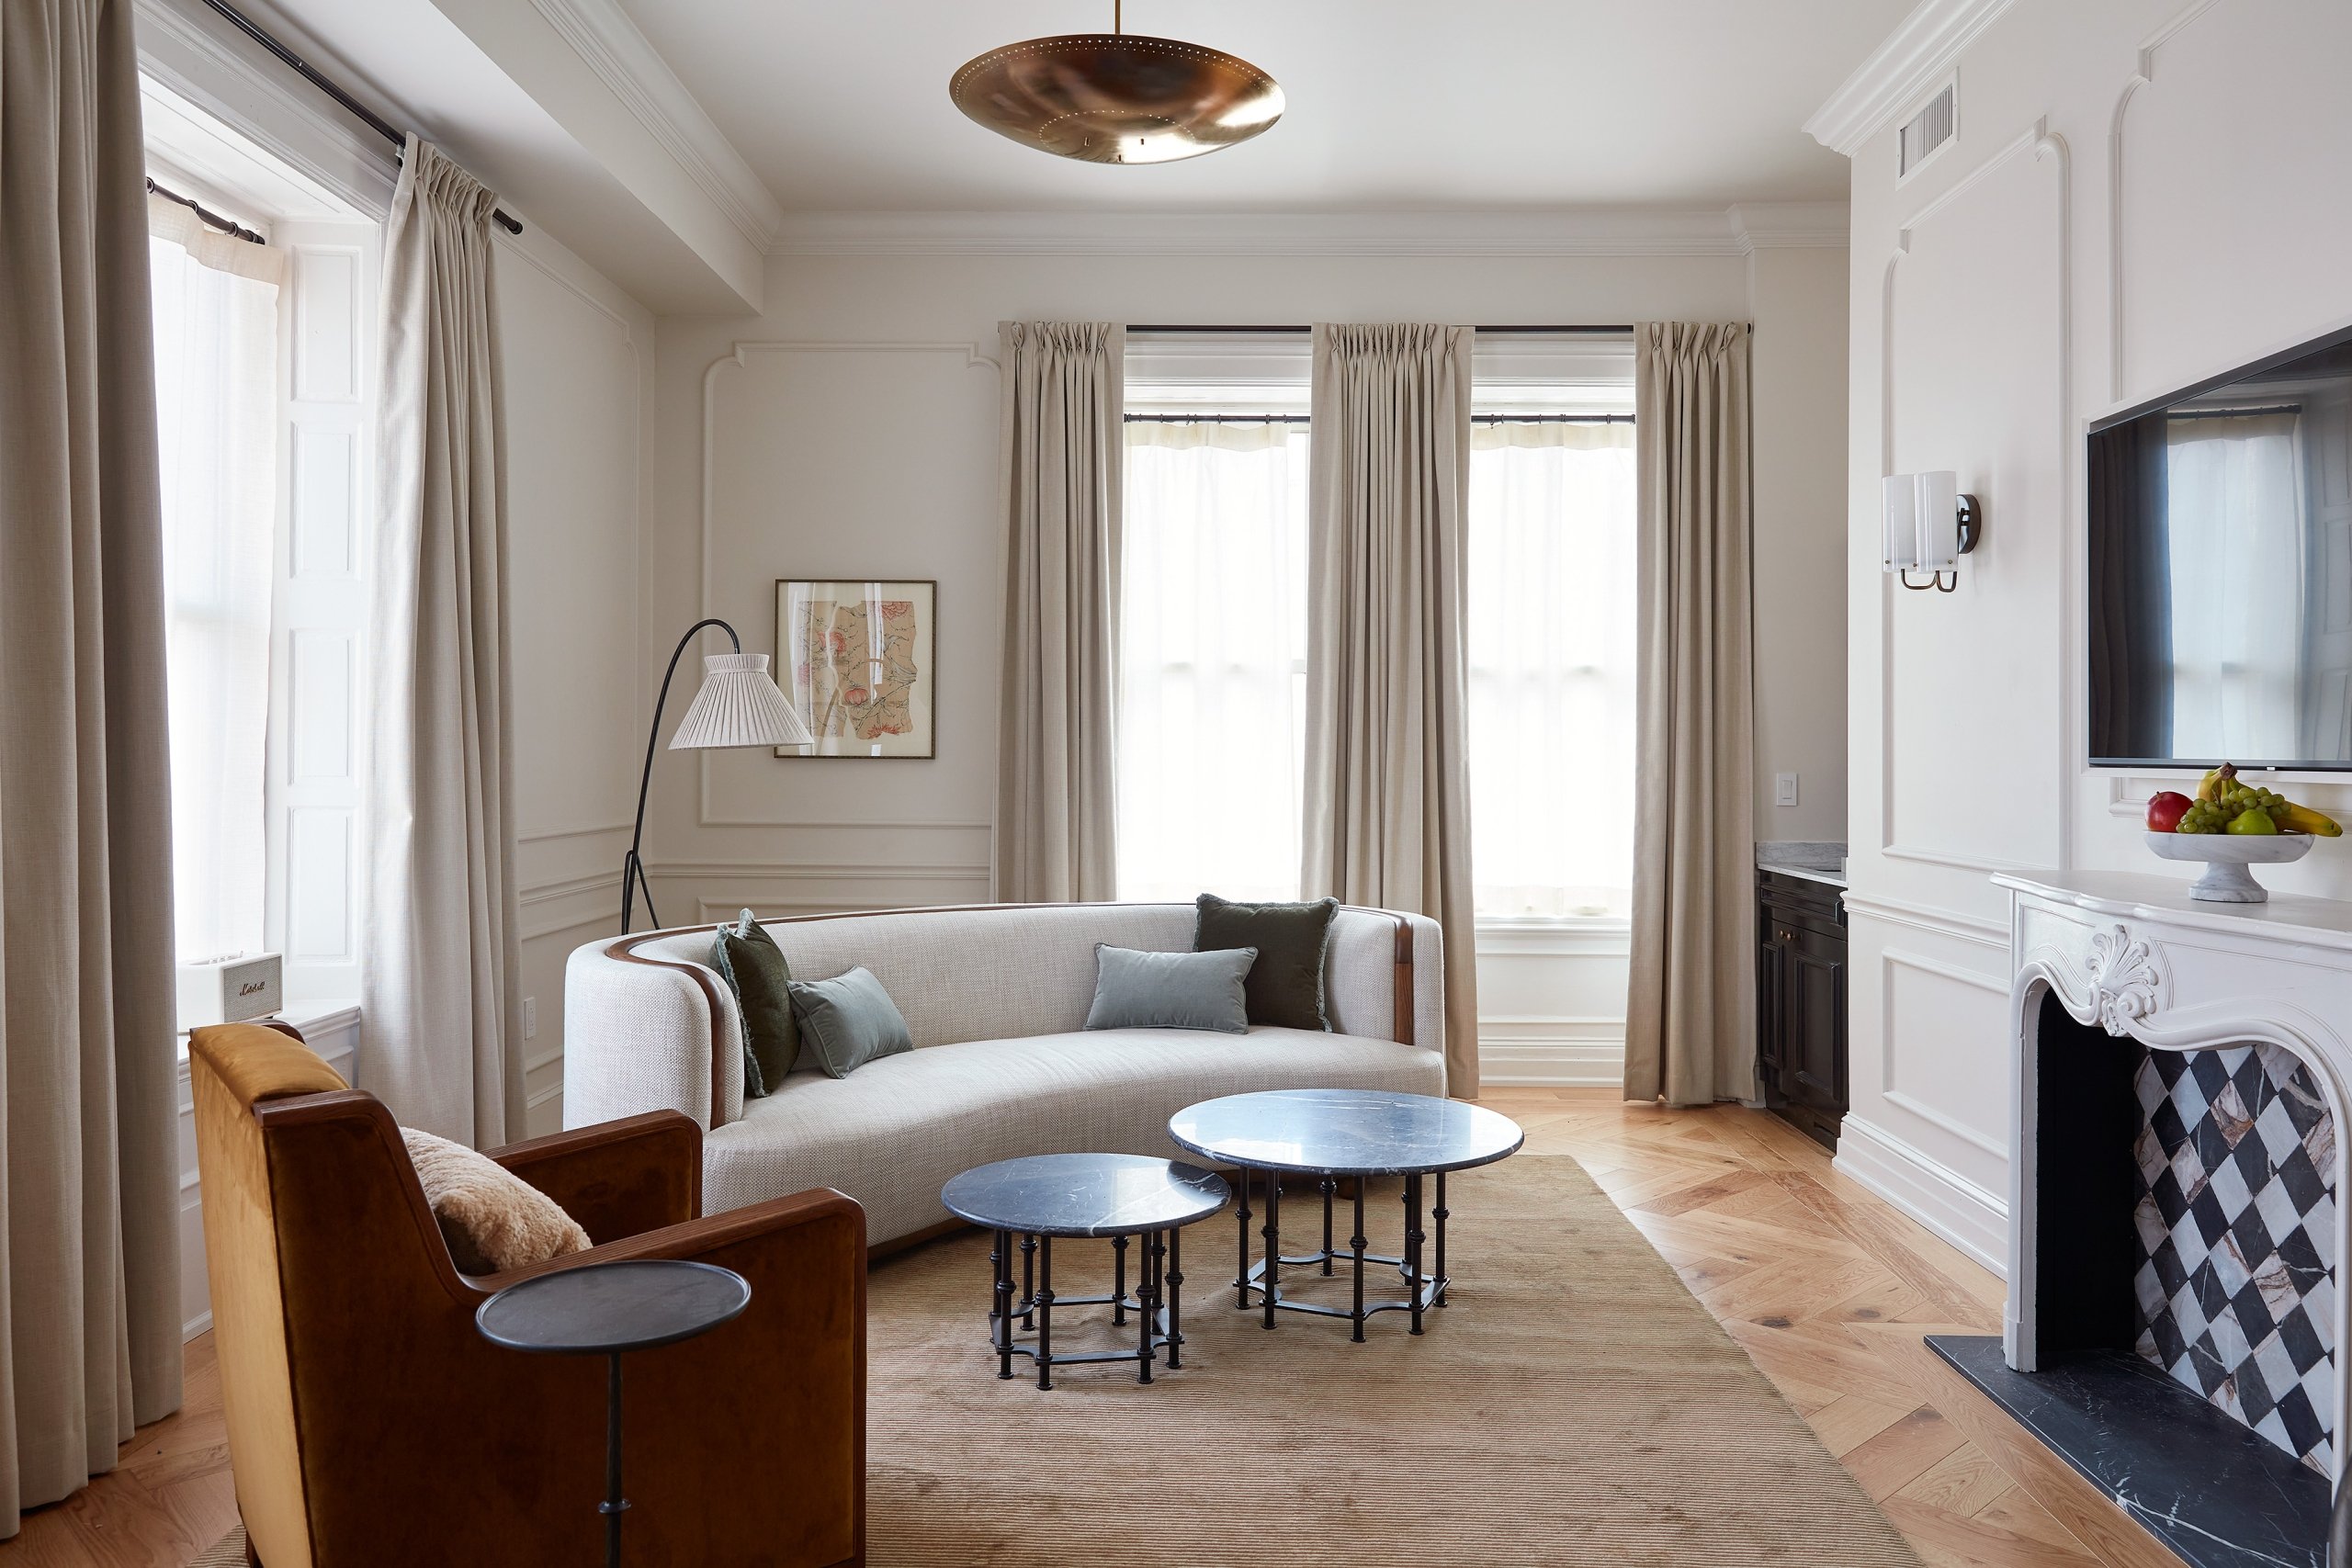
{"x": 1815, "y": 1020}
{"x": 1772, "y": 1029}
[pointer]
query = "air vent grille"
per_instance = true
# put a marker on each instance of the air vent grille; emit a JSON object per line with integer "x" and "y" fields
{"x": 1929, "y": 130}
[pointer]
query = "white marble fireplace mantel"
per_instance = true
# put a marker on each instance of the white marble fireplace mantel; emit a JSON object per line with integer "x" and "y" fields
{"x": 2132, "y": 956}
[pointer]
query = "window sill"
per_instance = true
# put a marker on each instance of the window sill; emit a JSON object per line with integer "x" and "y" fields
{"x": 315, "y": 1018}
{"x": 1582, "y": 936}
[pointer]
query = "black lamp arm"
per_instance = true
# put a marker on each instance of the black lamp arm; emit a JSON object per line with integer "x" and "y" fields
{"x": 633, "y": 866}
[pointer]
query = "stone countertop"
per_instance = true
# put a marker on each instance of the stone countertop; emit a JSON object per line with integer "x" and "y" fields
{"x": 1809, "y": 860}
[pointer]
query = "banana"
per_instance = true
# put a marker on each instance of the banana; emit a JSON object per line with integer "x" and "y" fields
{"x": 2210, "y": 786}
{"x": 2294, "y": 819}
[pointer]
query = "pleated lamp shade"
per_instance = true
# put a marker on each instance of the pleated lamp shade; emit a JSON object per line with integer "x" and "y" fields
{"x": 739, "y": 705}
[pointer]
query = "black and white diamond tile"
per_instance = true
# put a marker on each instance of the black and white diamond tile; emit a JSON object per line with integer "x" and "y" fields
{"x": 2237, "y": 1238}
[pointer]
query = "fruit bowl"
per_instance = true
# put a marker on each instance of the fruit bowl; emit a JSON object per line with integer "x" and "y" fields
{"x": 2226, "y": 857}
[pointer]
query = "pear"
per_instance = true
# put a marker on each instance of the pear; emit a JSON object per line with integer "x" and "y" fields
{"x": 2253, "y": 820}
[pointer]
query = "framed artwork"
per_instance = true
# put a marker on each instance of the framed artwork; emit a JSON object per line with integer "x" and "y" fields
{"x": 859, "y": 660}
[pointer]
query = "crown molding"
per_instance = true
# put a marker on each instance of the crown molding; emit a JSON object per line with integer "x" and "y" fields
{"x": 1912, "y": 59}
{"x": 622, "y": 58}
{"x": 1788, "y": 225}
{"x": 1585, "y": 231}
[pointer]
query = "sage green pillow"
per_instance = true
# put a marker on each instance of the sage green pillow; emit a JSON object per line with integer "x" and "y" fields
{"x": 848, "y": 1020}
{"x": 754, "y": 969}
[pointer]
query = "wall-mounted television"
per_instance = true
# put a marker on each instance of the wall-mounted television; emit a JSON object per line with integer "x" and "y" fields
{"x": 2221, "y": 569}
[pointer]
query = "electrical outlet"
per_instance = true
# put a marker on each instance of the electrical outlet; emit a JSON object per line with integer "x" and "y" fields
{"x": 530, "y": 1017}
{"x": 1784, "y": 789}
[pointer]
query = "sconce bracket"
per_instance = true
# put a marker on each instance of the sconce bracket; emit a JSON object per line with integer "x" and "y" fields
{"x": 1972, "y": 524}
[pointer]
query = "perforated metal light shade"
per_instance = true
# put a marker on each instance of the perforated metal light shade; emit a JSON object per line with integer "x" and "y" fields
{"x": 1117, "y": 97}
{"x": 739, "y": 704}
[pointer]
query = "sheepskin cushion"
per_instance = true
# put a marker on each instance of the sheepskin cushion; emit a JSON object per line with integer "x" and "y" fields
{"x": 493, "y": 1220}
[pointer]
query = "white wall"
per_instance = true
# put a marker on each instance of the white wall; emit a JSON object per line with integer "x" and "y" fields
{"x": 852, "y": 429}
{"x": 2139, "y": 197}
{"x": 579, "y": 364}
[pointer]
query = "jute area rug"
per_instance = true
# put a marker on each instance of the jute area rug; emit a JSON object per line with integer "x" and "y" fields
{"x": 1573, "y": 1405}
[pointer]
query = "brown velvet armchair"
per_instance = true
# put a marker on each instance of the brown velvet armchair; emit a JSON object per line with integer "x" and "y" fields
{"x": 370, "y": 1425}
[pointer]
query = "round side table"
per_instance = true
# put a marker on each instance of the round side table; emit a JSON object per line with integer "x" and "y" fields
{"x": 610, "y": 1309}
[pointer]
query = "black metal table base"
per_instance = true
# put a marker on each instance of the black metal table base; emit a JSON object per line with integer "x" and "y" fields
{"x": 1156, "y": 1303}
{"x": 1425, "y": 1287}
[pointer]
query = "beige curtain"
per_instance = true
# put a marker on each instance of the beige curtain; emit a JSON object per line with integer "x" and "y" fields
{"x": 89, "y": 1248}
{"x": 1388, "y": 817}
{"x": 438, "y": 986}
{"x": 1691, "y": 1010}
{"x": 1055, "y": 805}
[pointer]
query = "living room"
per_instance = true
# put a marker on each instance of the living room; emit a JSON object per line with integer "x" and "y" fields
{"x": 937, "y": 789}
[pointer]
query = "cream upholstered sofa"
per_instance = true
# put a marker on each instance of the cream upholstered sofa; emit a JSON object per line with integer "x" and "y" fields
{"x": 995, "y": 997}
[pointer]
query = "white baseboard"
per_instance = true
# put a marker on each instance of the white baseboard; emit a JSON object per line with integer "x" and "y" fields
{"x": 200, "y": 1324}
{"x": 1525, "y": 1058}
{"x": 1962, "y": 1212}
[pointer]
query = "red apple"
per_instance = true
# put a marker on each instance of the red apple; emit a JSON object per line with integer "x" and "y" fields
{"x": 2166, "y": 809}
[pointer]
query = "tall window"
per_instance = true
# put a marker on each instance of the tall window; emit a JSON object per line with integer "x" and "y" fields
{"x": 1551, "y": 650}
{"x": 215, "y": 404}
{"x": 1213, "y": 648}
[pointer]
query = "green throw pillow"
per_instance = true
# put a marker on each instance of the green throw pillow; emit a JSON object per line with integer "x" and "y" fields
{"x": 754, "y": 969}
{"x": 848, "y": 1022}
{"x": 1285, "y": 984}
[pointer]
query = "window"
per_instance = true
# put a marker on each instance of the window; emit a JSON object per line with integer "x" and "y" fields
{"x": 216, "y": 404}
{"x": 1212, "y": 646}
{"x": 1551, "y": 640}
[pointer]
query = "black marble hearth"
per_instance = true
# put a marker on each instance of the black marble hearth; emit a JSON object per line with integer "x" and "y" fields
{"x": 2204, "y": 1484}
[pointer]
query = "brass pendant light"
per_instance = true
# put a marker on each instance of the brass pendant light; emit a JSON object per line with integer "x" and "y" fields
{"x": 1117, "y": 97}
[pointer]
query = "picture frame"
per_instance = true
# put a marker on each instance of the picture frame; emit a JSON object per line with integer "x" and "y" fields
{"x": 857, "y": 657}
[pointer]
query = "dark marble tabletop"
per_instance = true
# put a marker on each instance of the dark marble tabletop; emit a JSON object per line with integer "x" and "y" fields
{"x": 1085, "y": 1194}
{"x": 597, "y": 1308}
{"x": 1344, "y": 1132}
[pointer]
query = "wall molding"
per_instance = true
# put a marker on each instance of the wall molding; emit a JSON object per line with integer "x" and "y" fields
{"x": 1912, "y": 62}
{"x": 2142, "y": 76}
{"x": 624, "y": 60}
{"x": 1929, "y": 918}
{"x": 1954, "y": 1208}
{"x": 1552, "y": 1053}
{"x": 1587, "y": 232}
{"x": 2041, "y": 141}
{"x": 1889, "y": 960}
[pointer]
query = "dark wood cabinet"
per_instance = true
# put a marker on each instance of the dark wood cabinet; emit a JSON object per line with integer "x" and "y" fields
{"x": 1801, "y": 1001}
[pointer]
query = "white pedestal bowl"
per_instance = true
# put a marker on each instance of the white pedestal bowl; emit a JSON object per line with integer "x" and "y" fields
{"x": 2226, "y": 857}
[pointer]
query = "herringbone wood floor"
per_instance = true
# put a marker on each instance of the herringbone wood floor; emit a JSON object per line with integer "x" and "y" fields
{"x": 1827, "y": 1288}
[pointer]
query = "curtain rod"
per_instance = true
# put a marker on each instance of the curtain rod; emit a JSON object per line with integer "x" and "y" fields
{"x": 318, "y": 79}
{"x": 1621, "y": 330}
{"x": 1307, "y": 419}
{"x": 228, "y": 225}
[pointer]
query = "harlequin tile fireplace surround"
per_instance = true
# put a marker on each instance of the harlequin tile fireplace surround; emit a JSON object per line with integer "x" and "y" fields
{"x": 2175, "y": 1320}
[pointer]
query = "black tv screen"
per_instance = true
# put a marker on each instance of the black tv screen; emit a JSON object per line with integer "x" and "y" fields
{"x": 2221, "y": 569}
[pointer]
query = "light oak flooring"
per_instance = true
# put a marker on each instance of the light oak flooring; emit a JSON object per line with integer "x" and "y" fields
{"x": 1827, "y": 1288}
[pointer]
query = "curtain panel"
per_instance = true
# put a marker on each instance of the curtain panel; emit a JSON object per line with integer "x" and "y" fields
{"x": 89, "y": 1245}
{"x": 1388, "y": 782}
{"x": 1057, "y": 806}
{"x": 439, "y": 984}
{"x": 1690, "y": 1008}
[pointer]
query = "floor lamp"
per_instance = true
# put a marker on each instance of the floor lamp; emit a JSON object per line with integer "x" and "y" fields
{"x": 739, "y": 704}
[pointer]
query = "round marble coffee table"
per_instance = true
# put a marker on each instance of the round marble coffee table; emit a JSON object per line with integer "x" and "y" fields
{"x": 1116, "y": 1196}
{"x": 1329, "y": 1134}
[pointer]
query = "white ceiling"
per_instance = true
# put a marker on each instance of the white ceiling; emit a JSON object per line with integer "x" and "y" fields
{"x": 1393, "y": 104}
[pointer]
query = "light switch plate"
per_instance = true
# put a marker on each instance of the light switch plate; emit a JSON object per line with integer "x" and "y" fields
{"x": 1784, "y": 789}
{"x": 530, "y": 1017}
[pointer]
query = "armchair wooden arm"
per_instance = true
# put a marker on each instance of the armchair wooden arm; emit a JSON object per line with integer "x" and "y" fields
{"x": 618, "y": 1179}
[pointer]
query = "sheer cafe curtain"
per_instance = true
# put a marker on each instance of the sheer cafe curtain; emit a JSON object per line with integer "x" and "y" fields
{"x": 1552, "y": 599}
{"x": 2238, "y": 563}
{"x": 1212, "y": 652}
{"x": 216, "y": 405}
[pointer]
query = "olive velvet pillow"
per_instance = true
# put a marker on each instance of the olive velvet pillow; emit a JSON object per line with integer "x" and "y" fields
{"x": 848, "y": 1020}
{"x": 1285, "y": 984}
{"x": 754, "y": 969}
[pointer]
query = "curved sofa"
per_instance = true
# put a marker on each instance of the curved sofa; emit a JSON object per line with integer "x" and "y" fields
{"x": 995, "y": 997}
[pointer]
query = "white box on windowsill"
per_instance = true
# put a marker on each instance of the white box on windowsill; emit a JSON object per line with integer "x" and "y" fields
{"x": 230, "y": 990}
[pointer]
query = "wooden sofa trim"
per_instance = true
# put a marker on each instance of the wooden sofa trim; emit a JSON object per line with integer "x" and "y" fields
{"x": 625, "y": 948}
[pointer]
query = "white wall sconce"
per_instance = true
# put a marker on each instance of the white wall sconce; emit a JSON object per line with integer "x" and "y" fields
{"x": 1927, "y": 526}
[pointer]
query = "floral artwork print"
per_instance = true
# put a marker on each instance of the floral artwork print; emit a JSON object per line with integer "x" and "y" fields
{"x": 859, "y": 665}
